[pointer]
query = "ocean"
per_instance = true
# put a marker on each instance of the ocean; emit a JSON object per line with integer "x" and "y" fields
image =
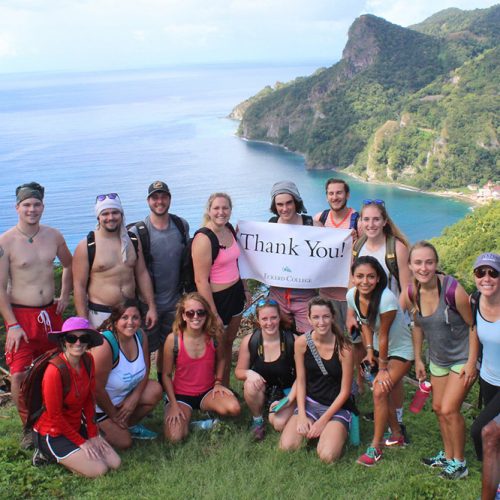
{"x": 84, "y": 134}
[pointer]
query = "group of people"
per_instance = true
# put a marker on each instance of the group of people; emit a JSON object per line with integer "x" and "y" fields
{"x": 298, "y": 364}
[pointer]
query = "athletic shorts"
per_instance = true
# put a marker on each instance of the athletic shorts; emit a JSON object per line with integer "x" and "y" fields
{"x": 194, "y": 402}
{"x": 315, "y": 410}
{"x": 442, "y": 371}
{"x": 36, "y": 322}
{"x": 230, "y": 302}
{"x": 158, "y": 334}
{"x": 58, "y": 447}
{"x": 396, "y": 358}
{"x": 98, "y": 313}
{"x": 294, "y": 303}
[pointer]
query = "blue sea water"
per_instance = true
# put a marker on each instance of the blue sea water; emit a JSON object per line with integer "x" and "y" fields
{"x": 83, "y": 134}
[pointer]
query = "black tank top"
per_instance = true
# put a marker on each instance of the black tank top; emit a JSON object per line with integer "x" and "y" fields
{"x": 323, "y": 388}
{"x": 280, "y": 373}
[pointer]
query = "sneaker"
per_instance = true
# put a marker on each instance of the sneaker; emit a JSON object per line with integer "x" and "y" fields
{"x": 438, "y": 461}
{"x": 405, "y": 433}
{"x": 39, "y": 459}
{"x": 454, "y": 470}
{"x": 393, "y": 440}
{"x": 370, "y": 457}
{"x": 140, "y": 432}
{"x": 27, "y": 441}
{"x": 258, "y": 429}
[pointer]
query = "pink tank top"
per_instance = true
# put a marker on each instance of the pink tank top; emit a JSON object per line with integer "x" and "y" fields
{"x": 225, "y": 268}
{"x": 194, "y": 376}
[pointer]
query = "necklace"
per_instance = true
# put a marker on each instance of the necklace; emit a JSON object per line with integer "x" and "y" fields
{"x": 29, "y": 238}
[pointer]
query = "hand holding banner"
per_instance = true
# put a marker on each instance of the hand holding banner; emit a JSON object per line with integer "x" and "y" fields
{"x": 294, "y": 256}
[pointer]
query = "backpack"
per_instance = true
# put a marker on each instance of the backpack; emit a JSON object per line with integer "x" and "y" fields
{"x": 391, "y": 260}
{"x": 256, "y": 347}
{"x": 450, "y": 286}
{"x": 143, "y": 234}
{"x": 187, "y": 278}
{"x": 353, "y": 222}
{"x": 307, "y": 220}
{"x": 31, "y": 388}
{"x": 91, "y": 246}
{"x": 115, "y": 347}
{"x": 474, "y": 303}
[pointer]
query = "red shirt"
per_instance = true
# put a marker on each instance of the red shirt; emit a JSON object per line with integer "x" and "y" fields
{"x": 64, "y": 417}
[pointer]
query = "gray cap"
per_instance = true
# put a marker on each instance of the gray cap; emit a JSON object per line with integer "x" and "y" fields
{"x": 288, "y": 187}
{"x": 488, "y": 259}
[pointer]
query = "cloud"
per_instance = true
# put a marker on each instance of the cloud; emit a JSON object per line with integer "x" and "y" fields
{"x": 7, "y": 48}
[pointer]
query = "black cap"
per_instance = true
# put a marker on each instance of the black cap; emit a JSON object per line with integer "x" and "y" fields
{"x": 158, "y": 186}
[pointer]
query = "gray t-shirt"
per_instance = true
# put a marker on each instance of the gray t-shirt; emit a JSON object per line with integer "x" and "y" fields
{"x": 166, "y": 248}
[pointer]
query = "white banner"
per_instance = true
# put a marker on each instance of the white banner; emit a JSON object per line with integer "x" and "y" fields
{"x": 292, "y": 256}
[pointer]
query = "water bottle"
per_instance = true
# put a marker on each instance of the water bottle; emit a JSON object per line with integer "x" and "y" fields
{"x": 368, "y": 372}
{"x": 423, "y": 392}
{"x": 354, "y": 438}
{"x": 204, "y": 425}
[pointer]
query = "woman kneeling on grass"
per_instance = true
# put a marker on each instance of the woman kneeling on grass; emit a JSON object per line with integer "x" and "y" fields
{"x": 191, "y": 353}
{"x": 324, "y": 363}
{"x": 59, "y": 432}
{"x": 124, "y": 393}
{"x": 388, "y": 343}
{"x": 442, "y": 313}
{"x": 266, "y": 365}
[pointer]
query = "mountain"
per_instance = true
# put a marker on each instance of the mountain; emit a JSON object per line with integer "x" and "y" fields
{"x": 416, "y": 105}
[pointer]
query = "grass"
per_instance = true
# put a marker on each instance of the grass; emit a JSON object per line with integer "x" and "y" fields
{"x": 226, "y": 463}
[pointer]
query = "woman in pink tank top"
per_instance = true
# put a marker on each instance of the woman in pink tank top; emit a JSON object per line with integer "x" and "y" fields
{"x": 193, "y": 367}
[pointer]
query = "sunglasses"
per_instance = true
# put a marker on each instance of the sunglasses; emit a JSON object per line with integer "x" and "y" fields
{"x": 71, "y": 338}
{"x": 481, "y": 272}
{"x": 201, "y": 313}
{"x": 111, "y": 196}
{"x": 374, "y": 202}
{"x": 266, "y": 302}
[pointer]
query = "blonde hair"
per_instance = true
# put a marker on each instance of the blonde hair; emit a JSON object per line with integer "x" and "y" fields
{"x": 211, "y": 198}
{"x": 210, "y": 327}
{"x": 390, "y": 227}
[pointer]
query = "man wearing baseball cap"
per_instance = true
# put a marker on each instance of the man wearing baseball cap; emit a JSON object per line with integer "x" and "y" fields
{"x": 107, "y": 266}
{"x": 27, "y": 289}
{"x": 163, "y": 238}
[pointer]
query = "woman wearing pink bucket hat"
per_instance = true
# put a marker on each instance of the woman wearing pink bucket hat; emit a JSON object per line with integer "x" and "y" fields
{"x": 60, "y": 434}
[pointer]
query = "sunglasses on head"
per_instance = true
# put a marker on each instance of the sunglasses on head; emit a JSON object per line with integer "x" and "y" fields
{"x": 201, "y": 313}
{"x": 481, "y": 272}
{"x": 71, "y": 338}
{"x": 266, "y": 302}
{"x": 374, "y": 202}
{"x": 102, "y": 197}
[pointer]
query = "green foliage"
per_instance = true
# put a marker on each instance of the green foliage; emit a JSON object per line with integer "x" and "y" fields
{"x": 460, "y": 244}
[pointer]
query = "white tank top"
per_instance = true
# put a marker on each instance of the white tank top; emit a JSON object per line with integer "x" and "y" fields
{"x": 380, "y": 256}
{"x": 125, "y": 376}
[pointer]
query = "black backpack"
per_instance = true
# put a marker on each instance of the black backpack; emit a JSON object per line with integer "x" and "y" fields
{"x": 256, "y": 347}
{"x": 307, "y": 220}
{"x": 91, "y": 246}
{"x": 31, "y": 388}
{"x": 187, "y": 279}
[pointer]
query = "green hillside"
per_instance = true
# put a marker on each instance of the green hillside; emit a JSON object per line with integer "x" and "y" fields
{"x": 396, "y": 107}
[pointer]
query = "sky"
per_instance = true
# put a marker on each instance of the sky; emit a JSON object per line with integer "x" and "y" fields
{"x": 84, "y": 35}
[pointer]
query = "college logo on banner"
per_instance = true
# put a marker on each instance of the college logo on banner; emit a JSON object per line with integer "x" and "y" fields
{"x": 293, "y": 256}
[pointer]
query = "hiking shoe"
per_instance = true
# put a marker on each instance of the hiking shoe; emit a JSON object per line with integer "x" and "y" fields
{"x": 369, "y": 417}
{"x": 405, "y": 433}
{"x": 258, "y": 430}
{"x": 39, "y": 459}
{"x": 438, "y": 461}
{"x": 454, "y": 470}
{"x": 370, "y": 457}
{"x": 393, "y": 440}
{"x": 27, "y": 440}
{"x": 140, "y": 432}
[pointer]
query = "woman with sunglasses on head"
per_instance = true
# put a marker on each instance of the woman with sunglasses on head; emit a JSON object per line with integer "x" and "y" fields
{"x": 267, "y": 367}
{"x": 442, "y": 314}
{"x": 124, "y": 393}
{"x": 192, "y": 368}
{"x": 487, "y": 327}
{"x": 219, "y": 281}
{"x": 324, "y": 363}
{"x": 388, "y": 343}
{"x": 60, "y": 434}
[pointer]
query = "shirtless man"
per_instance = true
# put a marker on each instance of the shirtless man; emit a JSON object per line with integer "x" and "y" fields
{"x": 27, "y": 304}
{"x": 288, "y": 207}
{"x": 116, "y": 268}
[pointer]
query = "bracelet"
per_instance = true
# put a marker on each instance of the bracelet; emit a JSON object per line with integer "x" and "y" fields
{"x": 14, "y": 326}
{"x": 369, "y": 346}
{"x": 218, "y": 380}
{"x": 381, "y": 360}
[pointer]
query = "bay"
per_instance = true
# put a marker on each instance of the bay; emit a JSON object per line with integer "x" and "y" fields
{"x": 83, "y": 134}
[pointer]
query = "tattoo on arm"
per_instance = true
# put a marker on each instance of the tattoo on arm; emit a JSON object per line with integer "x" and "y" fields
{"x": 1, "y": 251}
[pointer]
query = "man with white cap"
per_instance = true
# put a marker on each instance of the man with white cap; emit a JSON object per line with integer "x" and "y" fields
{"x": 288, "y": 207}
{"x": 107, "y": 265}
{"x": 27, "y": 288}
